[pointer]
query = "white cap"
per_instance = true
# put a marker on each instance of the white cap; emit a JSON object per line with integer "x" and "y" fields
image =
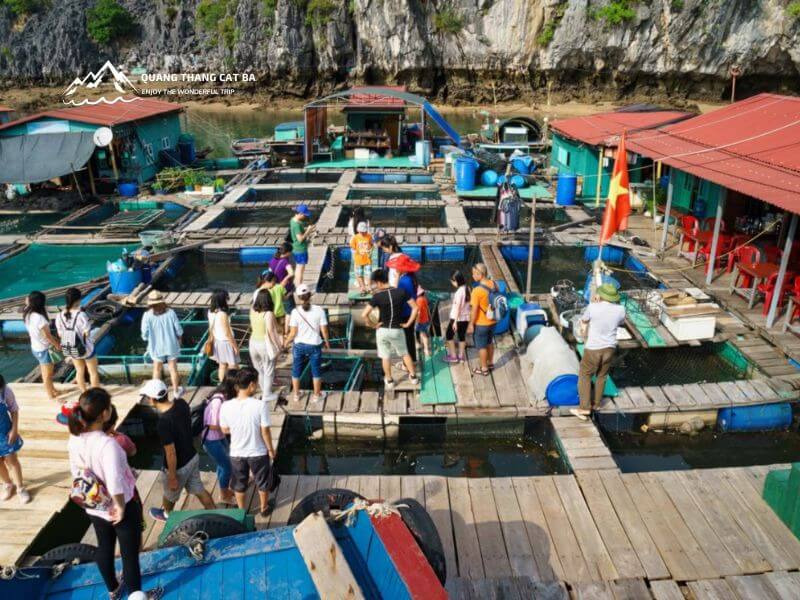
{"x": 362, "y": 227}
{"x": 155, "y": 388}
{"x": 302, "y": 290}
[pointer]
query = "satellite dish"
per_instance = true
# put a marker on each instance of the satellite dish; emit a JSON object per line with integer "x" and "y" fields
{"x": 103, "y": 136}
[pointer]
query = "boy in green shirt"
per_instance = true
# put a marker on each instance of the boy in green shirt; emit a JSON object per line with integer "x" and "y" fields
{"x": 300, "y": 231}
{"x": 269, "y": 281}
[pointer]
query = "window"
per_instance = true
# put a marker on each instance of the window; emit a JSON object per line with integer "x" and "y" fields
{"x": 165, "y": 143}
{"x": 563, "y": 156}
{"x": 148, "y": 152}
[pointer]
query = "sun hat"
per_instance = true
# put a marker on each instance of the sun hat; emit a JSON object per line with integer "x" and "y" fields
{"x": 362, "y": 227}
{"x": 154, "y": 388}
{"x": 608, "y": 293}
{"x": 303, "y": 210}
{"x": 403, "y": 263}
{"x": 302, "y": 290}
{"x": 155, "y": 297}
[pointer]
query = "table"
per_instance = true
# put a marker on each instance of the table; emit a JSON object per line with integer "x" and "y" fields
{"x": 700, "y": 238}
{"x": 787, "y": 322}
{"x": 758, "y": 271}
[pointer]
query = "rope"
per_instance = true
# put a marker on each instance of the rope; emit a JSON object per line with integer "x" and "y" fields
{"x": 196, "y": 545}
{"x": 10, "y": 572}
{"x": 376, "y": 509}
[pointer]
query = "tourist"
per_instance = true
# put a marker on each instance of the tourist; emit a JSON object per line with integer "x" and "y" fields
{"x": 481, "y": 326}
{"x": 300, "y": 231}
{"x": 308, "y": 329}
{"x": 99, "y": 465}
{"x": 269, "y": 283}
{"x": 220, "y": 334}
{"x": 407, "y": 281}
{"x": 265, "y": 342}
{"x": 361, "y": 245}
{"x": 181, "y": 468}
{"x": 10, "y": 443}
{"x": 357, "y": 215}
{"x": 602, "y": 317}
{"x": 281, "y": 265}
{"x": 423, "y": 327}
{"x": 75, "y": 335}
{"x": 459, "y": 319}
{"x": 110, "y": 429}
{"x": 247, "y": 421}
{"x": 390, "y": 338}
{"x": 162, "y": 331}
{"x": 391, "y": 250}
{"x": 214, "y": 441}
{"x": 43, "y": 343}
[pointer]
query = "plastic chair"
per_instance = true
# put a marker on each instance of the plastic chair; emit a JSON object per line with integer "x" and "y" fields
{"x": 724, "y": 247}
{"x": 795, "y": 291}
{"x": 768, "y": 290}
{"x": 746, "y": 254}
{"x": 688, "y": 224}
{"x": 771, "y": 254}
{"x": 708, "y": 225}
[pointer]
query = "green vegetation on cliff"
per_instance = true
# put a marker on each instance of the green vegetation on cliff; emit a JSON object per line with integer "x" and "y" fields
{"x": 107, "y": 21}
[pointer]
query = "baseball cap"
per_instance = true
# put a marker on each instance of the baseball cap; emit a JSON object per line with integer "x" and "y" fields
{"x": 154, "y": 388}
{"x": 303, "y": 210}
{"x": 302, "y": 290}
{"x": 362, "y": 227}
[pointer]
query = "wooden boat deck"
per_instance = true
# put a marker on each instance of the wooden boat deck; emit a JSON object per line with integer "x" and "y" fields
{"x": 45, "y": 464}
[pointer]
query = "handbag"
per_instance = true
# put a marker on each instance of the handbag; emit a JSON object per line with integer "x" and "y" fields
{"x": 208, "y": 347}
{"x": 273, "y": 350}
{"x": 55, "y": 355}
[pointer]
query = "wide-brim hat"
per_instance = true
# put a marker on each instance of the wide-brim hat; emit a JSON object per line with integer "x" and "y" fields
{"x": 403, "y": 263}
{"x": 155, "y": 297}
{"x": 608, "y": 293}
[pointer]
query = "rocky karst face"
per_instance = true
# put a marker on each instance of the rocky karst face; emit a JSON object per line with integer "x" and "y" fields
{"x": 457, "y": 50}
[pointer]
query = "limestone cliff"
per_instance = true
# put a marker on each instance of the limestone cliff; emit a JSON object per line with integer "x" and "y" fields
{"x": 456, "y": 50}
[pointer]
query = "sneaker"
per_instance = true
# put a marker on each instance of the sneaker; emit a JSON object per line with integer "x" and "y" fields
{"x": 388, "y": 384}
{"x": 6, "y": 491}
{"x": 583, "y": 415}
{"x": 413, "y": 379}
{"x": 159, "y": 514}
{"x": 23, "y": 495}
{"x": 452, "y": 359}
{"x": 179, "y": 392}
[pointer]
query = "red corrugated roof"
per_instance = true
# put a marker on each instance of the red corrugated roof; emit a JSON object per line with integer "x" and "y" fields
{"x": 6, "y": 108}
{"x": 376, "y": 100}
{"x": 107, "y": 115}
{"x": 751, "y": 146}
{"x": 605, "y": 128}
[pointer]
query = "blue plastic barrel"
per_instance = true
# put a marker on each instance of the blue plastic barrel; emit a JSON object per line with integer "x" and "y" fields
{"x": 566, "y": 189}
{"x": 257, "y": 255}
{"x": 124, "y": 282}
{"x": 128, "y": 189}
{"x": 489, "y": 178}
{"x": 371, "y": 177}
{"x": 518, "y": 253}
{"x": 522, "y": 164}
{"x": 466, "y": 170}
{"x": 187, "y": 152}
{"x": 755, "y": 418}
{"x": 454, "y": 253}
{"x": 13, "y": 328}
{"x": 518, "y": 181}
{"x": 414, "y": 252}
{"x": 563, "y": 391}
{"x": 422, "y": 179}
{"x": 434, "y": 253}
{"x": 395, "y": 178}
{"x": 613, "y": 255}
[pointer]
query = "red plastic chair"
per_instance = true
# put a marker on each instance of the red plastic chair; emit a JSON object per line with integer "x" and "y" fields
{"x": 746, "y": 254}
{"x": 708, "y": 225}
{"x": 689, "y": 224}
{"x": 795, "y": 291}
{"x": 726, "y": 244}
{"x": 768, "y": 289}
{"x": 771, "y": 254}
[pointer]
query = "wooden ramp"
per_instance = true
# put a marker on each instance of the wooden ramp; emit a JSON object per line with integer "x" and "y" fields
{"x": 45, "y": 464}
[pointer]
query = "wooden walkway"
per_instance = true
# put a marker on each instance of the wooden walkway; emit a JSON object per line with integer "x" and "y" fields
{"x": 581, "y": 445}
{"x": 45, "y": 464}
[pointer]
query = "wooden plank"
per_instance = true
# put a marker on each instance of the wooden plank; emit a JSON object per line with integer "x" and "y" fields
{"x": 712, "y": 589}
{"x": 544, "y": 551}
{"x": 369, "y": 402}
{"x": 732, "y": 392}
{"x": 754, "y": 586}
{"x": 390, "y": 488}
{"x": 324, "y": 559}
{"x": 487, "y": 526}
{"x": 470, "y": 563}
{"x": 437, "y": 503}
{"x": 484, "y": 388}
{"x": 630, "y": 589}
{"x": 413, "y": 486}
{"x": 518, "y": 546}
{"x": 666, "y": 589}
{"x": 786, "y": 585}
{"x": 593, "y": 590}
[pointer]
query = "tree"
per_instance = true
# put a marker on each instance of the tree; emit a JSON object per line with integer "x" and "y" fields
{"x": 108, "y": 20}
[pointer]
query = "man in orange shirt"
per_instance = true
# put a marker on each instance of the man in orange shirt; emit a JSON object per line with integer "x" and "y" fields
{"x": 480, "y": 325}
{"x": 361, "y": 244}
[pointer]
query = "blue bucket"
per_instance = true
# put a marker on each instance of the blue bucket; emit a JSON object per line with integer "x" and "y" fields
{"x": 563, "y": 391}
{"x": 124, "y": 282}
{"x": 566, "y": 189}
{"x": 466, "y": 170}
{"x": 129, "y": 189}
{"x": 489, "y": 178}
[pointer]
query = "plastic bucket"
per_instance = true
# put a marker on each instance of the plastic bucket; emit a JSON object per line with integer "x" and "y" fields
{"x": 489, "y": 178}
{"x": 518, "y": 181}
{"x": 153, "y": 237}
{"x": 563, "y": 391}
{"x": 422, "y": 151}
{"x": 566, "y": 189}
{"x": 129, "y": 189}
{"x": 466, "y": 170}
{"x": 124, "y": 282}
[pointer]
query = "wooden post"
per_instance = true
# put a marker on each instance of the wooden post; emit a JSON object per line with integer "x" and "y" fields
{"x": 715, "y": 239}
{"x": 531, "y": 235}
{"x": 598, "y": 183}
{"x": 113, "y": 161}
{"x": 92, "y": 185}
{"x": 787, "y": 251}
{"x": 667, "y": 209}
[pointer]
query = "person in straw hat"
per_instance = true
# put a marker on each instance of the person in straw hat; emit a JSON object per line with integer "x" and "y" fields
{"x": 602, "y": 317}
{"x": 162, "y": 331}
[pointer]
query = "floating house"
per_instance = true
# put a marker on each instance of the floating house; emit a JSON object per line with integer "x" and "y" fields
{"x": 585, "y": 146}
{"x": 6, "y": 114}
{"x": 141, "y": 128}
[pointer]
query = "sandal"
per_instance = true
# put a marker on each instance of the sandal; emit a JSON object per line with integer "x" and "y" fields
{"x": 479, "y": 371}
{"x": 452, "y": 359}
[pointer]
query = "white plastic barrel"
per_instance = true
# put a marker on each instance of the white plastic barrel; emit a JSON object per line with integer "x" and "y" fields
{"x": 551, "y": 357}
{"x": 422, "y": 152}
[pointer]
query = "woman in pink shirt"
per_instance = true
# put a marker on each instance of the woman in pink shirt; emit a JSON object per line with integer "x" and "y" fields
{"x": 459, "y": 319}
{"x": 214, "y": 441}
{"x": 92, "y": 448}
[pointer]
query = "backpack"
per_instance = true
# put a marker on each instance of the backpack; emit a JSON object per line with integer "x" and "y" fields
{"x": 198, "y": 417}
{"x": 498, "y": 303}
{"x": 288, "y": 239}
{"x": 89, "y": 491}
{"x": 72, "y": 343}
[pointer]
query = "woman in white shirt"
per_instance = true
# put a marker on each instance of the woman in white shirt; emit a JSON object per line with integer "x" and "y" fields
{"x": 308, "y": 328}
{"x": 75, "y": 333}
{"x": 225, "y": 351}
{"x": 34, "y": 315}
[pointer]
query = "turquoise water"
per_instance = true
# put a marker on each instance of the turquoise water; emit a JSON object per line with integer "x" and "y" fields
{"x": 24, "y": 223}
{"x": 16, "y": 359}
{"x": 44, "y": 266}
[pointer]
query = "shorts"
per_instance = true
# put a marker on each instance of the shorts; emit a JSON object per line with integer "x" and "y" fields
{"x": 188, "y": 479}
{"x": 164, "y": 359}
{"x": 300, "y": 258}
{"x": 306, "y": 352}
{"x": 461, "y": 331}
{"x": 422, "y": 327}
{"x": 483, "y": 336}
{"x": 390, "y": 342}
{"x": 242, "y": 467}
{"x": 363, "y": 270}
{"x": 42, "y": 357}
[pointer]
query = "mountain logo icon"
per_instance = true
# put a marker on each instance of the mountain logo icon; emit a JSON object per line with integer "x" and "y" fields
{"x": 76, "y": 92}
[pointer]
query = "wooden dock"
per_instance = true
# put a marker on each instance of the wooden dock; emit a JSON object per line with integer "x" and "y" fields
{"x": 45, "y": 464}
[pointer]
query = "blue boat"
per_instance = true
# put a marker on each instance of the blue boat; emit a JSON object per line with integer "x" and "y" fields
{"x": 371, "y": 553}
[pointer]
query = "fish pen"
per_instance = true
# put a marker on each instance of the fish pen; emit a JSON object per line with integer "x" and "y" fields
{"x": 393, "y": 195}
{"x": 284, "y": 194}
{"x": 260, "y": 216}
{"x": 394, "y": 178}
{"x": 27, "y": 223}
{"x": 293, "y": 176}
{"x": 233, "y": 270}
{"x": 546, "y": 216}
{"x": 392, "y": 217}
{"x": 122, "y": 218}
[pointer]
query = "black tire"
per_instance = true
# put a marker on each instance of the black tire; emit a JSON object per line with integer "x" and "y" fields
{"x": 214, "y": 525}
{"x": 423, "y": 529}
{"x": 102, "y": 311}
{"x": 322, "y": 500}
{"x": 84, "y": 553}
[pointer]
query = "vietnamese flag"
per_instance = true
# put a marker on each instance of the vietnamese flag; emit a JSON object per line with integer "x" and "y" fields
{"x": 618, "y": 206}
